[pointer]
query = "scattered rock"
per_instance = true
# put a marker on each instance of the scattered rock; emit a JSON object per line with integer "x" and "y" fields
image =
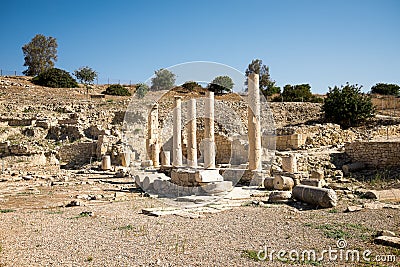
{"x": 386, "y": 233}
{"x": 353, "y": 208}
{"x": 27, "y": 177}
{"x": 280, "y": 196}
{"x": 374, "y": 206}
{"x": 73, "y": 203}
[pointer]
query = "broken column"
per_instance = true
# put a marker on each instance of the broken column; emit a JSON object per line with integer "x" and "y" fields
{"x": 165, "y": 158}
{"x": 153, "y": 147}
{"x": 322, "y": 197}
{"x": 106, "y": 163}
{"x": 192, "y": 128}
{"x": 209, "y": 143}
{"x": 177, "y": 133}
{"x": 253, "y": 119}
{"x": 125, "y": 159}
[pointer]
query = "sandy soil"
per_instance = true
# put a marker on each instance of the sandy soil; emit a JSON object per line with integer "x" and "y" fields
{"x": 36, "y": 230}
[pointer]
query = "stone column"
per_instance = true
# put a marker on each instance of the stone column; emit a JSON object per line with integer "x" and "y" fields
{"x": 165, "y": 158}
{"x": 192, "y": 128}
{"x": 253, "y": 120}
{"x": 106, "y": 163}
{"x": 153, "y": 147}
{"x": 209, "y": 143}
{"x": 177, "y": 134}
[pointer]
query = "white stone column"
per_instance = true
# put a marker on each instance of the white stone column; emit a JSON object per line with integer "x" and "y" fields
{"x": 192, "y": 129}
{"x": 209, "y": 143}
{"x": 253, "y": 122}
{"x": 153, "y": 147}
{"x": 177, "y": 134}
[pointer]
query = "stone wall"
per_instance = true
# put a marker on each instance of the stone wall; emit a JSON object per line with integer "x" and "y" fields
{"x": 312, "y": 136}
{"x": 375, "y": 153}
{"x": 291, "y": 113}
{"x": 292, "y": 141}
{"x": 77, "y": 153}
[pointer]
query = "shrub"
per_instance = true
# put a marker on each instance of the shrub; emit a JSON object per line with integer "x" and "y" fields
{"x": 141, "y": 90}
{"x": 316, "y": 99}
{"x": 190, "y": 85}
{"x": 297, "y": 93}
{"x": 117, "y": 89}
{"x": 347, "y": 106}
{"x": 55, "y": 78}
{"x": 385, "y": 89}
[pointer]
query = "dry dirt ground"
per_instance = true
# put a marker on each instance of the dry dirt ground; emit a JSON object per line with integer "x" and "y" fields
{"x": 37, "y": 229}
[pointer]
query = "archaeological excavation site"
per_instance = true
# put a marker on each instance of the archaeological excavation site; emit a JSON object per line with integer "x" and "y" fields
{"x": 99, "y": 178}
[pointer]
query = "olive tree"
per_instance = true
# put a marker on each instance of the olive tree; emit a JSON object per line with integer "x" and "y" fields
{"x": 221, "y": 84}
{"x": 163, "y": 80}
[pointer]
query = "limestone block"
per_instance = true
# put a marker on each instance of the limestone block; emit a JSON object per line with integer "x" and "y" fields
{"x": 317, "y": 174}
{"x": 217, "y": 187}
{"x": 289, "y": 163}
{"x": 279, "y": 196}
{"x": 208, "y": 176}
{"x": 313, "y": 182}
{"x": 257, "y": 179}
{"x": 146, "y": 163}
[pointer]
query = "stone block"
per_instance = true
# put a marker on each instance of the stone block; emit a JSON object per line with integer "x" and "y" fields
{"x": 289, "y": 163}
{"x": 146, "y": 163}
{"x": 208, "y": 176}
{"x": 280, "y": 196}
{"x": 313, "y": 182}
{"x": 217, "y": 187}
{"x": 317, "y": 174}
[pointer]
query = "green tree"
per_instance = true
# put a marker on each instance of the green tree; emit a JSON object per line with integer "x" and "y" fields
{"x": 141, "y": 90}
{"x": 163, "y": 80}
{"x": 347, "y": 106}
{"x": 55, "y": 78}
{"x": 39, "y": 54}
{"x": 86, "y": 76}
{"x": 221, "y": 84}
{"x": 385, "y": 89}
{"x": 266, "y": 85}
{"x": 116, "y": 89}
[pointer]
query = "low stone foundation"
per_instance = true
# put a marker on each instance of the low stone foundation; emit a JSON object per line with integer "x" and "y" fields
{"x": 78, "y": 153}
{"x": 375, "y": 153}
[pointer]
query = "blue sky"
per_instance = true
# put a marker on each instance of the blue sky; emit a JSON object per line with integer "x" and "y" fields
{"x": 324, "y": 43}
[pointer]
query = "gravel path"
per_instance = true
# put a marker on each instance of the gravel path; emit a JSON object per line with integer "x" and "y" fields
{"x": 119, "y": 235}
